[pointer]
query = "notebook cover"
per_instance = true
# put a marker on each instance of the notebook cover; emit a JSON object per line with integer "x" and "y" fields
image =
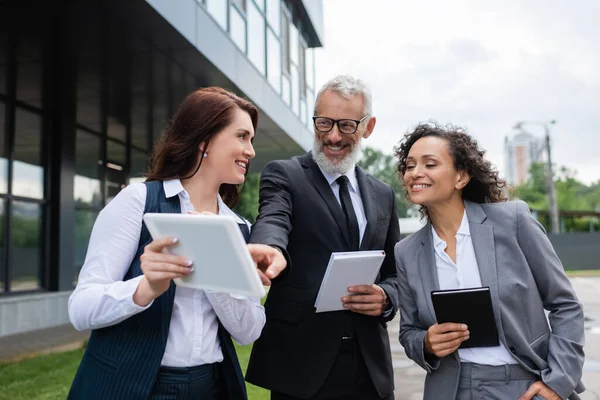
{"x": 472, "y": 307}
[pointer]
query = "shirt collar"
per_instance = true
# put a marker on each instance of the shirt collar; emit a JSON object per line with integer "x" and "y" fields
{"x": 173, "y": 187}
{"x": 350, "y": 174}
{"x": 463, "y": 230}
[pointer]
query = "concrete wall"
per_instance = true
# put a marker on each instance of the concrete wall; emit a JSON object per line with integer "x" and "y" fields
{"x": 27, "y": 313}
{"x": 579, "y": 250}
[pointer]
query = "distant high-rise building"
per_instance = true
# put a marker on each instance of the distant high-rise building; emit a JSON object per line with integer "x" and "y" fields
{"x": 519, "y": 153}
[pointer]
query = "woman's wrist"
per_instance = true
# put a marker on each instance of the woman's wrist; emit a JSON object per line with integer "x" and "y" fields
{"x": 144, "y": 294}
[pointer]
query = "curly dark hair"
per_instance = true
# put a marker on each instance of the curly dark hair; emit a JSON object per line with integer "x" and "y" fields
{"x": 484, "y": 187}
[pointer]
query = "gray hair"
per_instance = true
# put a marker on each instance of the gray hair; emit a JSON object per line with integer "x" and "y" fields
{"x": 347, "y": 87}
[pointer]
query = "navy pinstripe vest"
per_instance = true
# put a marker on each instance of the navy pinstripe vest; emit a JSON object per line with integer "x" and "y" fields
{"x": 122, "y": 361}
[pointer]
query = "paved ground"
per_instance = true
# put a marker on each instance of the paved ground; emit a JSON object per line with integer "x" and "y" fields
{"x": 409, "y": 377}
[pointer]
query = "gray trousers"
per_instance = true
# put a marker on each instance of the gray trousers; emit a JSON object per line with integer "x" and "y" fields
{"x": 487, "y": 382}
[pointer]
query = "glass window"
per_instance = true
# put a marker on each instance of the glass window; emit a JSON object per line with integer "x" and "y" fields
{"x": 160, "y": 79}
{"x": 274, "y": 61}
{"x": 25, "y": 261}
{"x": 295, "y": 78}
{"x": 139, "y": 166}
{"x": 241, "y": 5}
{"x": 310, "y": 68}
{"x": 2, "y": 245}
{"x": 286, "y": 90}
{"x": 218, "y": 9}
{"x": 274, "y": 15}
{"x": 303, "y": 110}
{"x": 256, "y": 38}
{"x": 29, "y": 70}
{"x": 294, "y": 43}
{"x": 302, "y": 70}
{"x": 89, "y": 83}
{"x": 86, "y": 189}
{"x": 260, "y": 4}
{"x": 28, "y": 173}
{"x": 84, "y": 222}
{"x": 115, "y": 153}
{"x": 118, "y": 97}
{"x": 310, "y": 104}
{"x": 238, "y": 28}
{"x": 3, "y": 63}
{"x": 285, "y": 40}
{"x": 3, "y": 155}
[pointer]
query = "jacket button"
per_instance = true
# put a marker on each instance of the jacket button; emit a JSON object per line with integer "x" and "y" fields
{"x": 512, "y": 350}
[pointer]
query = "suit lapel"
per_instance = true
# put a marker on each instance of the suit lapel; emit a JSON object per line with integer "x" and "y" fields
{"x": 482, "y": 236}
{"x": 367, "y": 194}
{"x": 428, "y": 267}
{"x": 320, "y": 183}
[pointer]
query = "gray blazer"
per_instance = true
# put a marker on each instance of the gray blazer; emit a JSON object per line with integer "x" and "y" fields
{"x": 517, "y": 261}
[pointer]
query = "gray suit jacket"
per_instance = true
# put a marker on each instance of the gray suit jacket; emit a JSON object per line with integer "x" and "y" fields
{"x": 525, "y": 276}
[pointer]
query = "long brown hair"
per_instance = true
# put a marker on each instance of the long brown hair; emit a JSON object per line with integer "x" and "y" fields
{"x": 202, "y": 115}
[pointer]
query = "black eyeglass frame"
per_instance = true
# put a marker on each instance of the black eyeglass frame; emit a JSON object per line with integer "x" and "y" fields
{"x": 335, "y": 122}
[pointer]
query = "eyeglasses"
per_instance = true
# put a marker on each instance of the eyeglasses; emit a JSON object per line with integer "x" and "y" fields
{"x": 346, "y": 126}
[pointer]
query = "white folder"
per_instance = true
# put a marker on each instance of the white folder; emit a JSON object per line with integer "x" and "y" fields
{"x": 344, "y": 270}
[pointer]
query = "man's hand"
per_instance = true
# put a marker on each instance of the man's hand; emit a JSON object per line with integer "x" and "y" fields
{"x": 443, "y": 339}
{"x": 540, "y": 389}
{"x": 366, "y": 299}
{"x": 269, "y": 261}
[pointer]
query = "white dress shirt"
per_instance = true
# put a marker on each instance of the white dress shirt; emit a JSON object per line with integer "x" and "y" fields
{"x": 465, "y": 274}
{"x": 102, "y": 298}
{"x": 354, "y": 190}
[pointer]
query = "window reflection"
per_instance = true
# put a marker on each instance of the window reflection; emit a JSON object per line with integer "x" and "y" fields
{"x": 238, "y": 28}
{"x": 256, "y": 37}
{"x": 273, "y": 15}
{"x": 139, "y": 166}
{"x": 28, "y": 173}
{"x": 25, "y": 260}
{"x": 3, "y": 155}
{"x": 87, "y": 170}
{"x": 29, "y": 70}
{"x": 218, "y": 10}
{"x": 2, "y": 245}
{"x": 295, "y": 78}
{"x": 274, "y": 61}
{"x": 84, "y": 222}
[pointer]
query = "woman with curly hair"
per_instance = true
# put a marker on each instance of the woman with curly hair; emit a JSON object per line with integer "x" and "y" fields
{"x": 475, "y": 238}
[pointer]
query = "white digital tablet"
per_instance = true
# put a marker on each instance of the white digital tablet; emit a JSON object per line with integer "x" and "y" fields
{"x": 216, "y": 247}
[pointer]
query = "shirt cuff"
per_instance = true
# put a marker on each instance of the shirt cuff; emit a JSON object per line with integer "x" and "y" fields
{"x": 123, "y": 294}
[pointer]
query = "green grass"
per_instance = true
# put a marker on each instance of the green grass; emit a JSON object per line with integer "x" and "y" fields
{"x": 582, "y": 272}
{"x": 49, "y": 376}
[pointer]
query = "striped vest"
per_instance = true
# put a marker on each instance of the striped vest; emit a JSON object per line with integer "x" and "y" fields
{"x": 122, "y": 361}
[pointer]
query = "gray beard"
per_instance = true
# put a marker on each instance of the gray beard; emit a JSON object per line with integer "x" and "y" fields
{"x": 338, "y": 167}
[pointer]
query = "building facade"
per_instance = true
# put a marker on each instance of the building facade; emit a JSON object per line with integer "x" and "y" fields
{"x": 87, "y": 86}
{"x": 519, "y": 153}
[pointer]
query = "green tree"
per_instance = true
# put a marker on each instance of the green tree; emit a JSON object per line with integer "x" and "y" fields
{"x": 384, "y": 167}
{"x": 248, "y": 205}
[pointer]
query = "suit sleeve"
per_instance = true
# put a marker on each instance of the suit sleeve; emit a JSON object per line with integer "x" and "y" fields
{"x": 412, "y": 334}
{"x": 565, "y": 351}
{"x": 389, "y": 276}
{"x": 274, "y": 222}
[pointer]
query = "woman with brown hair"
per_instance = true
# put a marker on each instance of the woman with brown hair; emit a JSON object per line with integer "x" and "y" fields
{"x": 475, "y": 238}
{"x": 149, "y": 338}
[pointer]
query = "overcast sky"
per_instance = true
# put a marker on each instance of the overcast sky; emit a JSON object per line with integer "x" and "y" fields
{"x": 480, "y": 65}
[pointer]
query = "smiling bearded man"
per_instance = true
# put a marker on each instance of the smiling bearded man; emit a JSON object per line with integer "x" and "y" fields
{"x": 311, "y": 206}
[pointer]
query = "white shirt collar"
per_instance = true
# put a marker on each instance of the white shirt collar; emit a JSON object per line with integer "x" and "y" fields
{"x": 463, "y": 230}
{"x": 350, "y": 174}
{"x": 173, "y": 187}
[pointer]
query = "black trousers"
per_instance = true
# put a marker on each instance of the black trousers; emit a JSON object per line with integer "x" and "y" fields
{"x": 347, "y": 380}
{"x": 193, "y": 383}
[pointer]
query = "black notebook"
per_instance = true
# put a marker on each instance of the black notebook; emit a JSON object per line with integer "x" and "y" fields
{"x": 472, "y": 307}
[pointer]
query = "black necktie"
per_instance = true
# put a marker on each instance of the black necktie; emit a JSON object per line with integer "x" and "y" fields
{"x": 351, "y": 221}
